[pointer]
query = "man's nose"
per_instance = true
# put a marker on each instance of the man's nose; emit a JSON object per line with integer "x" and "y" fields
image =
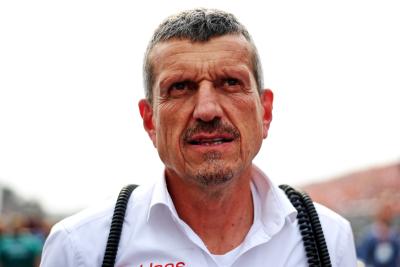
{"x": 207, "y": 103}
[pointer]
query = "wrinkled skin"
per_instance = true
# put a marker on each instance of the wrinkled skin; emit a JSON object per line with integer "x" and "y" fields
{"x": 207, "y": 119}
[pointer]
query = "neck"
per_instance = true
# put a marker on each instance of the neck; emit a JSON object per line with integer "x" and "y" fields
{"x": 220, "y": 216}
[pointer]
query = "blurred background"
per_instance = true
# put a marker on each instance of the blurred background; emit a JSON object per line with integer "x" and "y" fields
{"x": 71, "y": 134}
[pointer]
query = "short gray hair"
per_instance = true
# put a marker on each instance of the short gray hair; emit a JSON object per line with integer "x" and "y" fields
{"x": 198, "y": 25}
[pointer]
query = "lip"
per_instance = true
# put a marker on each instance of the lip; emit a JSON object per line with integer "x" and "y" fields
{"x": 221, "y": 142}
{"x": 210, "y": 140}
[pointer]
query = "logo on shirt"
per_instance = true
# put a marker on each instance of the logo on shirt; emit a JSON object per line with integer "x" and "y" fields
{"x": 171, "y": 264}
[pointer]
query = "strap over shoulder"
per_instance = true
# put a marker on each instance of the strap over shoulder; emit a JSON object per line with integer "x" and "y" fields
{"x": 310, "y": 227}
{"x": 116, "y": 226}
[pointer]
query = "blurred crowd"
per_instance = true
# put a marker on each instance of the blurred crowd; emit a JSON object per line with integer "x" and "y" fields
{"x": 379, "y": 245}
{"x": 21, "y": 240}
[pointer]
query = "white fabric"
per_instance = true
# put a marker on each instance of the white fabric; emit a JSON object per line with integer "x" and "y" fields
{"x": 155, "y": 236}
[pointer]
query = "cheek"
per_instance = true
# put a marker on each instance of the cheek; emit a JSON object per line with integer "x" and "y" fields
{"x": 166, "y": 133}
{"x": 249, "y": 122}
{"x": 253, "y": 133}
{"x": 171, "y": 123}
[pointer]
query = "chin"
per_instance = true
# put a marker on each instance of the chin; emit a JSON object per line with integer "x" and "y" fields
{"x": 215, "y": 172}
{"x": 214, "y": 177}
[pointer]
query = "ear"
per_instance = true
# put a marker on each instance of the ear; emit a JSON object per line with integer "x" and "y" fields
{"x": 267, "y": 99}
{"x": 146, "y": 111}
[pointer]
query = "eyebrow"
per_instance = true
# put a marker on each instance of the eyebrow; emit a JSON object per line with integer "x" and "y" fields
{"x": 169, "y": 77}
{"x": 181, "y": 73}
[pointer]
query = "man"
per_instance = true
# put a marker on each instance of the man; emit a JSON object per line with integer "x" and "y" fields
{"x": 19, "y": 247}
{"x": 207, "y": 114}
{"x": 380, "y": 246}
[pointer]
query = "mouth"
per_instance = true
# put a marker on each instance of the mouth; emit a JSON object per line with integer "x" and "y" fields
{"x": 210, "y": 140}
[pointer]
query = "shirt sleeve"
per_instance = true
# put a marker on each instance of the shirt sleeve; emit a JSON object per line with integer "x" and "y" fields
{"x": 59, "y": 250}
{"x": 348, "y": 250}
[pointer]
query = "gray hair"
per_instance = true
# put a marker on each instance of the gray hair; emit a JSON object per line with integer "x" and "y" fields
{"x": 198, "y": 25}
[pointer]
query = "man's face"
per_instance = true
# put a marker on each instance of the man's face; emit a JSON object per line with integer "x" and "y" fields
{"x": 207, "y": 120}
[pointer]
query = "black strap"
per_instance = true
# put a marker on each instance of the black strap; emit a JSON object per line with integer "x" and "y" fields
{"x": 310, "y": 227}
{"x": 116, "y": 226}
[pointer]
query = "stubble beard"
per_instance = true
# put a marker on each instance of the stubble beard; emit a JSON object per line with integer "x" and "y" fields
{"x": 215, "y": 172}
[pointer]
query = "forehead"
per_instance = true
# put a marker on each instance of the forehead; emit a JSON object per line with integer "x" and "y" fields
{"x": 227, "y": 49}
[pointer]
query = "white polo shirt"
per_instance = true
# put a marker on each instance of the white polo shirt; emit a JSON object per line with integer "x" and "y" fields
{"x": 154, "y": 236}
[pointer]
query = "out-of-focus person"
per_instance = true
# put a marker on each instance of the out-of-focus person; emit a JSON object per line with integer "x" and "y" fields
{"x": 2, "y": 228}
{"x": 19, "y": 247}
{"x": 380, "y": 246}
{"x": 38, "y": 226}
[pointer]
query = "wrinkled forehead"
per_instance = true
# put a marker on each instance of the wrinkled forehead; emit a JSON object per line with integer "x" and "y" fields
{"x": 224, "y": 48}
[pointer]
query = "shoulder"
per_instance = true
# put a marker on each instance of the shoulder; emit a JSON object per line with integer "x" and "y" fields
{"x": 71, "y": 241}
{"x": 331, "y": 219}
{"x": 100, "y": 214}
{"x": 338, "y": 236}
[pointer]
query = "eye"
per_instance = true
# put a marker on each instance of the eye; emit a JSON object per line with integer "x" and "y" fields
{"x": 180, "y": 88}
{"x": 231, "y": 82}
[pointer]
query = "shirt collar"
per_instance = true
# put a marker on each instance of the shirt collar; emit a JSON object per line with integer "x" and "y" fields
{"x": 161, "y": 196}
{"x": 275, "y": 206}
